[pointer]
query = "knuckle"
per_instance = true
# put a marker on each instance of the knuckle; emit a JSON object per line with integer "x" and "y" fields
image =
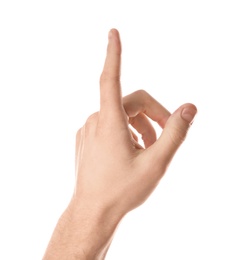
{"x": 144, "y": 96}
{"x": 103, "y": 78}
{"x": 177, "y": 135}
{"x": 107, "y": 77}
{"x": 90, "y": 123}
{"x": 79, "y": 133}
{"x": 141, "y": 92}
{"x": 92, "y": 118}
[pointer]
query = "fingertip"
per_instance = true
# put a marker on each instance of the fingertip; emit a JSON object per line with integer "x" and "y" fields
{"x": 114, "y": 41}
{"x": 113, "y": 33}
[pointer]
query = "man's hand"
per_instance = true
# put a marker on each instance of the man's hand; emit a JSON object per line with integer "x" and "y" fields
{"x": 112, "y": 168}
{"x": 114, "y": 173}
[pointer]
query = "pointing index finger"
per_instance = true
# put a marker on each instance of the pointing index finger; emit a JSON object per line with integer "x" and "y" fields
{"x": 110, "y": 89}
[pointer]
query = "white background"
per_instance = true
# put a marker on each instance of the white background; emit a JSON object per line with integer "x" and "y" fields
{"x": 51, "y": 56}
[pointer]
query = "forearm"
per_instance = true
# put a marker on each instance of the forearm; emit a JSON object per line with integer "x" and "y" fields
{"x": 83, "y": 232}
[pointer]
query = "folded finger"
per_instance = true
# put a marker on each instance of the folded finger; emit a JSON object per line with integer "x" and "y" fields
{"x": 141, "y": 102}
{"x": 143, "y": 126}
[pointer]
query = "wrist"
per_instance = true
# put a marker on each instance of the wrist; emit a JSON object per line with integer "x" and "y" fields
{"x": 95, "y": 224}
{"x": 84, "y": 231}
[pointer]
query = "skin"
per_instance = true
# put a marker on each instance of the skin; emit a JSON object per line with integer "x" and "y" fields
{"x": 115, "y": 174}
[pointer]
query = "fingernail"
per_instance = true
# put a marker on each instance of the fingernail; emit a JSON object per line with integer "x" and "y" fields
{"x": 188, "y": 114}
{"x": 110, "y": 34}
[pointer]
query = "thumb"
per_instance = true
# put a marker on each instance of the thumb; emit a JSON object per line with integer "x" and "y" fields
{"x": 174, "y": 133}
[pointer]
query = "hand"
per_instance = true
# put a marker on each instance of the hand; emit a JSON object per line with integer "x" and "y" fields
{"x": 112, "y": 169}
{"x": 114, "y": 173}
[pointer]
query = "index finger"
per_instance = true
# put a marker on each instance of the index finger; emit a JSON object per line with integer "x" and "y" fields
{"x": 110, "y": 88}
